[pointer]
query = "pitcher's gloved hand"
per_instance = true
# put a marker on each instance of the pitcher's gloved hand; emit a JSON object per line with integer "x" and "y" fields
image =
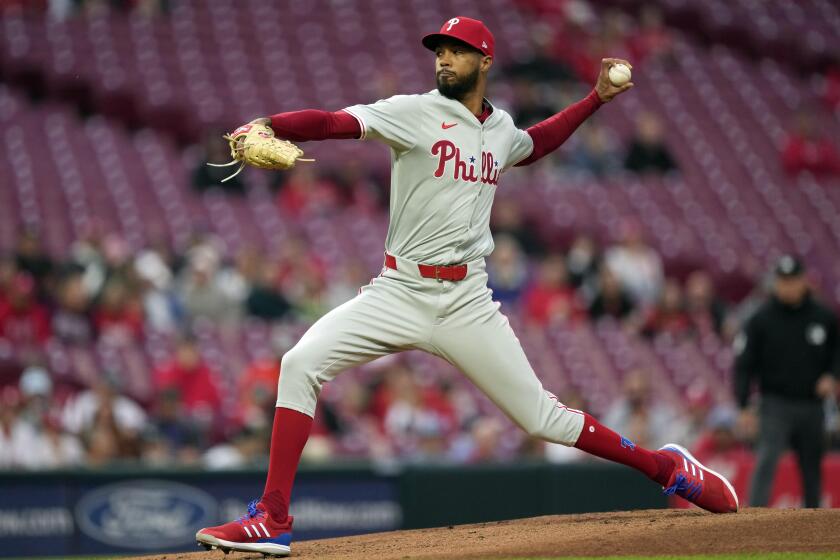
{"x": 255, "y": 144}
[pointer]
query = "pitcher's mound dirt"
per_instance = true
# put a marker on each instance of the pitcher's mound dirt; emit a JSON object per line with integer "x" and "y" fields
{"x": 647, "y": 532}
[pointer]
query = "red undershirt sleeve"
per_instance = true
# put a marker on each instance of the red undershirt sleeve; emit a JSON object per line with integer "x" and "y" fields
{"x": 549, "y": 134}
{"x": 312, "y": 124}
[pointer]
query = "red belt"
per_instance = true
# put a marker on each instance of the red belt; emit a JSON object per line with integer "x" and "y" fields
{"x": 453, "y": 273}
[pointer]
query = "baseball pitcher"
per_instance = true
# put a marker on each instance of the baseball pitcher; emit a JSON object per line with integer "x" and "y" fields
{"x": 449, "y": 147}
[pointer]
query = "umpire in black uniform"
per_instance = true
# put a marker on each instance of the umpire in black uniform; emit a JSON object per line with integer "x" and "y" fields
{"x": 790, "y": 347}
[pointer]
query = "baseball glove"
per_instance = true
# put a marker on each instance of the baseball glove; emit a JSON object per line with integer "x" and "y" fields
{"x": 255, "y": 144}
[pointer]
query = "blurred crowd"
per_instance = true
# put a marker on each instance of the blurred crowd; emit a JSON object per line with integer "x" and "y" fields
{"x": 570, "y": 38}
{"x": 624, "y": 281}
{"x": 568, "y": 41}
{"x": 807, "y": 148}
{"x": 101, "y": 290}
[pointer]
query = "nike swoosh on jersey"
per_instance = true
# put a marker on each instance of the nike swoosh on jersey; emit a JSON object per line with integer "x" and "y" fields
{"x": 444, "y": 126}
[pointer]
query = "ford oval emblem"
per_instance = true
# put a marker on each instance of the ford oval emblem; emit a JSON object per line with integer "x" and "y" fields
{"x": 145, "y": 514}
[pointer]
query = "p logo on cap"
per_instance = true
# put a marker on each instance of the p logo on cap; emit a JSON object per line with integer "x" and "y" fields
{"x": 468, "y": 30}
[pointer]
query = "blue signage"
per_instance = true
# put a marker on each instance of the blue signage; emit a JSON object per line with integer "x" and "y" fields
{"x": 109, "y": 513}
{"x": 145, "y": 514}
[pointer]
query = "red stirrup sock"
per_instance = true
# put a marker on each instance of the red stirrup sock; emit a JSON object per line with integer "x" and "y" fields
{"x": 288, "y": 436}
{"x": 598, "y": 440}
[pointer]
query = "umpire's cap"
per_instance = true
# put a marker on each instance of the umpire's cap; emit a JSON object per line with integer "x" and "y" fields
{"x": 789, "y": 266}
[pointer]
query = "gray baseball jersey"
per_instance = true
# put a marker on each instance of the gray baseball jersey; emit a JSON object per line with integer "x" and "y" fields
{"x": 445, "y": 168}
{"x": 444, "y": 173}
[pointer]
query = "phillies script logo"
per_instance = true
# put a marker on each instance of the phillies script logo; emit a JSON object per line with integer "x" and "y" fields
{"x": 465, "y": 169}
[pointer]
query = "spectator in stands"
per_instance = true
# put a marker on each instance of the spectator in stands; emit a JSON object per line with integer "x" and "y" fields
{"x": 481, "y": 444}
{"x": 638, "y": 415}
{"x": 344, "y": 283}
{"x": 149, "y": 8}
{"x": 237, "y": 278}
{"x": 293, "y": 251}
{"x": 415, "y": 418}
{"x": 349, "y": 422}
{"x": 155, "y": 451}
{"x": 71, "y": 321}
{"x": 307, "y": 291}
{"x": 652, "y": 39}
{"x": 32, "y": 258}
{"x": 245, "y": 449}
{"x": 201, "y": 290}
{"x": 257, "y": 390}
{"x": 8, "y": 272}
{"x": 36, "y": 389}
{"x": 551, "y": 299}
{"x": 118, "y": 259}
{"x": 808, "y": 149}
{"x": 51, "y": 447}
{"x": 304, "y": 193}
{"x": 611, "y": 299}
{"x": 161, "y": 307}
{"x": 541, "y": 66}
{"x": 582, "y": 38}
{"x": 607, "y": 37}
{"x": 463, "y": 403}
{"x": 699, "y": 403}
{"x": 23, "y": 321}
{"x": 320, "y": 447}
{"x": 172, "y": 437}
{"x": 81, "y": 409}
{"x": 106, "y": 442}
{"x": 119, "y": 314}
{"x": 55, "y": 448}
{"x": 507, "y": 268}
{"x": 508, "y": 217}
{"x": 530, "y": 107}
{"x": 583, "y": 262}
{"x": 430, "y": 444}
{"x": 636, "y": 265}
{"x": 303, "y": 278}
{"x": 359, "y": 187}
{"x": 594, "y": 152}
{"x": 16, "y": 435}
{"x": 647, "y": 152}
{"x": 205, "y": 177}
{"x": 192, "y": 380}
{"x": 705, "y": 311}
{"x": 668, "y": 315}
{"x": 265, "y": 300}
{"x": 87, "y": 254}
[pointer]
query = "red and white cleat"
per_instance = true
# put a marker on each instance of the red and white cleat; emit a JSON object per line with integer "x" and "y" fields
{"x": 699, "y": 485}
{"x": 255, "y": 531}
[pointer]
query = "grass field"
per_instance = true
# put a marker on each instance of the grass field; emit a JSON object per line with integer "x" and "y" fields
{"x": 744, "y": 556}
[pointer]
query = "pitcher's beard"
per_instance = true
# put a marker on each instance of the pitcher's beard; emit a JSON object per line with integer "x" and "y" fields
{"x": 457, "y": 88}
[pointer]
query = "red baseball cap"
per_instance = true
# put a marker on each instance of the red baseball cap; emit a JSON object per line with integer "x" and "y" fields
{"x": 471, "y": 31}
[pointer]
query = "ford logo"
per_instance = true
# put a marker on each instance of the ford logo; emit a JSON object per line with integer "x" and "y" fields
{"x": 145, "y": 514}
